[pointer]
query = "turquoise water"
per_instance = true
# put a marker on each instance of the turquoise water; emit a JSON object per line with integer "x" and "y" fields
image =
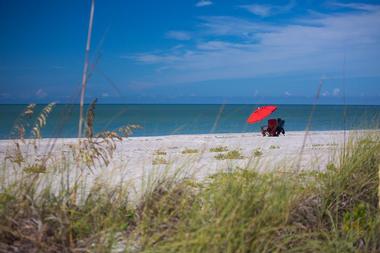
{"x": 194, "y": 119}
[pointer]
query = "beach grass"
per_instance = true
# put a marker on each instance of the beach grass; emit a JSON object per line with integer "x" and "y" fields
{"x": 190, "y": 151}
{"x": 230, "y": 155}
{"x": 242, "y": 210}
{"x": 158, "y": 160}
{"x": 160, "y": 152}
{"x": 274, "y": 147}
{"x": 219, "y": 149}
{"x": 257, "y": 152}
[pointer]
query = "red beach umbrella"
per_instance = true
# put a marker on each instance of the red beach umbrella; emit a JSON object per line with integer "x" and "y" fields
{"x": 261, "y": 113}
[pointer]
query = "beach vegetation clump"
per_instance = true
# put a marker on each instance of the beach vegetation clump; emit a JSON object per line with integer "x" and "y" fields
{"x": 162, "y": 208}
{"x": 257, "y": 152}
{"x": 274, "y": 147}
{"x": 158, "y": 160}
{"x": 41, "y": 120}
{"x": 44, "y": 209}
{"x": 159, "y": 152}
{"x": 335, "y": 210}
{"x": 219, "y": 149}
{"x": 230, "y": 155}
{"x": 35, "y": 168}
{"x": 190, "y": 151}
{"x": 47, "y": 222}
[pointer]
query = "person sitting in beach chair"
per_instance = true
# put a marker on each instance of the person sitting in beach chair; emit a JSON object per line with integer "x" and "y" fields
{"x": 270, "y": 129}
{"x": 280, "y": 127}
{"x": 274, "y": 128}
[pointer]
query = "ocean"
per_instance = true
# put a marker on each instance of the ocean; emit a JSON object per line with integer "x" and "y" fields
{"x": 159, "y": 119}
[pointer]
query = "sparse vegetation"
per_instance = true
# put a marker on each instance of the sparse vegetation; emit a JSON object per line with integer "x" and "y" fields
{"x": 160, "y": 152}
{"x": 158, "y": 160}
{"x": 274, "y": 147}
{"x": 219, "y": 149}
{"x": 319, "y": 145}
{"x": 190, "y": 151}
{"x": 230, "y": 155}
{"x": 257, "y": 152}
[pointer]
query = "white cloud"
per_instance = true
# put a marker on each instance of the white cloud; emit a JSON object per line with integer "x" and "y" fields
{"x": 105, "y": 94}
{"x": 263, "y": 10}
{"x": 40, "y": 93}
{"x": 336, "y": 92}
{"x": 355, "y": 6}
{"x": 219, "y": 45}
{"x": 325, "y": 93}
{"x": 259, "y": 49}
{"x": 232, "y": 26}
{"x": 178, "y": 35}
{"x": 259, "y": 10}
{"x": 287, "y": 93}
{"x": 203, "y": 3}
{"x": 152, "y": 58}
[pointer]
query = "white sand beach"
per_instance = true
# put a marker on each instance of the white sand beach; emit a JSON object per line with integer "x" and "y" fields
{"x": 137, "y": 158}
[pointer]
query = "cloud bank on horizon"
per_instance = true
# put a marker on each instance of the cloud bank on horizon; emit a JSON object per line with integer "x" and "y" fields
{"x": 218, "y": 48}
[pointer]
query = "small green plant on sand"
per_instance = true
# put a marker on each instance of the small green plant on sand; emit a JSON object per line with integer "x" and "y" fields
{"x": 274, "y": 147}
{"x": 35, "y": 169}
{"x": 159, "y": 152}
{"x": 190, "y": 151}
{"x": 257, "y": 152}
{"x": 230, "y": 155}
{"x": 219, "y": 149}
{"x": 158, "y": 160}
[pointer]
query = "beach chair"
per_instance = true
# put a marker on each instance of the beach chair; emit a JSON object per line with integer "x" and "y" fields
{"x": 274, "y": 128}
{"x": 280, "y": 127}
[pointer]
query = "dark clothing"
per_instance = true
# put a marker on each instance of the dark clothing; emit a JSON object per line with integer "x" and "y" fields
{"x": 275, "y": 127}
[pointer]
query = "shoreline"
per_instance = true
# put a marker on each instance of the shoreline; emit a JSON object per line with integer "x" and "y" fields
{"x": 213, "y": 134}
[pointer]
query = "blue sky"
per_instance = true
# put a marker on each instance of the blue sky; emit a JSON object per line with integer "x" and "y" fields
{"x": 191, "y": 51}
